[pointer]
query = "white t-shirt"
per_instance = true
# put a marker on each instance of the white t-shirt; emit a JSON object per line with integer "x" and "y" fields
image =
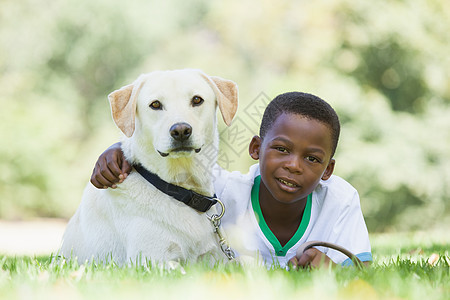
{"x": 332, "y": 214}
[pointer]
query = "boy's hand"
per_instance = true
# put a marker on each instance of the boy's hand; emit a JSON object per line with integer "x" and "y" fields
{"x": 310, "y": 258}
{"x": 111, "y": 168}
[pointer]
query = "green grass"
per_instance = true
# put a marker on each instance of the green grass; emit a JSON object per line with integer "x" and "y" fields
{"x": 400, "y": 271}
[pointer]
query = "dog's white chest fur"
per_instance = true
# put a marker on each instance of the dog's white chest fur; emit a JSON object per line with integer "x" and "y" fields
{"x": 169, "y": 122}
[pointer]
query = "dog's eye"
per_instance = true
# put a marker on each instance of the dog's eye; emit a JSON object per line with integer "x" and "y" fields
{"x": 197, "y": 100}
{"x": 156, "y": 105}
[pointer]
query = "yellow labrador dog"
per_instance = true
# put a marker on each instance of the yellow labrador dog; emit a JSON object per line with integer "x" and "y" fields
{"x": 168, "y": 119}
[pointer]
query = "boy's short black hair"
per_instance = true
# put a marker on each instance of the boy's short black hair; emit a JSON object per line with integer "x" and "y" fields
{"x": 304, "y": 104}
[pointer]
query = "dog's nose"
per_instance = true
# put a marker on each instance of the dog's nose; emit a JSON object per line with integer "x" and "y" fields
{"x": 180, "y": 131}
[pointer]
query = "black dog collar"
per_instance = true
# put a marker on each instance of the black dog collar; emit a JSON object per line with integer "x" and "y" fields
{"x": 195, "y": 200}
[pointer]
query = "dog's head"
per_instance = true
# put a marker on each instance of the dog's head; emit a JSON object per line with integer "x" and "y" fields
{"x": 174, "y": 109}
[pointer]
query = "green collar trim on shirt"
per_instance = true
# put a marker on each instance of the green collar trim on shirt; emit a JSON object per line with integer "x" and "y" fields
{"x": 279, "y": 250}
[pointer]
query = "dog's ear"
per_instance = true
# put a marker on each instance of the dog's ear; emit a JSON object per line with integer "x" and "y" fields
{"x": 123, "y": 108}
{"x": 227, "y": 96}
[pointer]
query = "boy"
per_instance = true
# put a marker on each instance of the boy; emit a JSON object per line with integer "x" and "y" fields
{"x": 291, "y": 196}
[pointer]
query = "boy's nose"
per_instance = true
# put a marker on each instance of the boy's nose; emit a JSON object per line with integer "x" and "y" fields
{"x": 294, "y": 165}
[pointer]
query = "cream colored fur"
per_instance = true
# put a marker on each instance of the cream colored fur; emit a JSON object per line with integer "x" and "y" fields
{"x": 136, "y": 222}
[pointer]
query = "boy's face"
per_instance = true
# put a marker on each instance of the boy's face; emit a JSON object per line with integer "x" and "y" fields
{"x": 293, "y": 156}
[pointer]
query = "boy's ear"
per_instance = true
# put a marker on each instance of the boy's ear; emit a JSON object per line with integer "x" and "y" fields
{"x": 254, "y": 147}
{"x": 329, "y": 170}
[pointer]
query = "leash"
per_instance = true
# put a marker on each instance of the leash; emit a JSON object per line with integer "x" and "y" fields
{"x": 311, "y": 244}
{"x": 215, "y": 221}
{"x": 199, "y": 202}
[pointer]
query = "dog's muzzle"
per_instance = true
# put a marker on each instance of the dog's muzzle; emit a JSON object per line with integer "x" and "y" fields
{"x": 180, "y": 133}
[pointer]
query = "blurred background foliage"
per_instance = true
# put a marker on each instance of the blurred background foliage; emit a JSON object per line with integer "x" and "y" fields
{"x": 384, "y": 65}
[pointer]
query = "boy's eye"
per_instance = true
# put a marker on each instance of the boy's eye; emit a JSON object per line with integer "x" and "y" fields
{"x": 281, "y": 149}
{"x": 156, "y": 105}
{"x": 312, "y": 159}
{"x": 197, "y": 100}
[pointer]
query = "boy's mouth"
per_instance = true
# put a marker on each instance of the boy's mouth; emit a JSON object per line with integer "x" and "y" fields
{"x": 289, "y": 184}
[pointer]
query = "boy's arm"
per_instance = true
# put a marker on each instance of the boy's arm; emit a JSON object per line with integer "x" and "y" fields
{"x": 353, "y": 232}
{"x": 349, "y": 229}
{"x": 111, "y": 168}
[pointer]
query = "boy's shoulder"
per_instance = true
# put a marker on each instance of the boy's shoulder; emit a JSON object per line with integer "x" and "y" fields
{"x": 221, "y": 174}
{"x": 337, "y": 190}
{"x": 223, "y": 178}
{"x": 336, "y": 182}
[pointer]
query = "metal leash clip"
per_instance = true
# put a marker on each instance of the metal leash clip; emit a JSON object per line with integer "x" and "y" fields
{"x": 215, "y": 221}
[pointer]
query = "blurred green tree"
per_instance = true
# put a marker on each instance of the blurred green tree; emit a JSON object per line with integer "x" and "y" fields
{"x": 383, "y": 65}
